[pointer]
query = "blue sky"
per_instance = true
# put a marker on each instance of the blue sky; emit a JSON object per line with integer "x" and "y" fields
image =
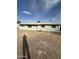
{"x": 39, "y": 10}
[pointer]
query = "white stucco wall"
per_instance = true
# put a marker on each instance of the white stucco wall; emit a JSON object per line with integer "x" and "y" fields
{"x": 45, "y": 28}
{"x": 57, "y": 29}
{"x": 34, "y": 28}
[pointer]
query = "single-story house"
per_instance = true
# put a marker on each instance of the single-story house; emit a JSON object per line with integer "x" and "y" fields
{"x": 40, "y": 27}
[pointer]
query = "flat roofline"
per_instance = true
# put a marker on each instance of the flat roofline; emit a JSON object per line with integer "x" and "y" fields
{"x": 36, "y": 24}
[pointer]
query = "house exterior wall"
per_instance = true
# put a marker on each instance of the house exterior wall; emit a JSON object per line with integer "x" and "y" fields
{"x": 57, "y": 28}
{"x": 34, "y": 27}
{"x": 40, "y": 28}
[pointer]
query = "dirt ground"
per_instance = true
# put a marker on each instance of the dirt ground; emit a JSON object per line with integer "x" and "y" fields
{"x": 42, "y": 45}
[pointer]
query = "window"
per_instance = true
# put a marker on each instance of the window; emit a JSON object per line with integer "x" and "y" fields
{"x": 53, "y": 26}
{"x": 29, "y": 26}
{"x": 22, "y": 25}
{"x": 43, "y": 26}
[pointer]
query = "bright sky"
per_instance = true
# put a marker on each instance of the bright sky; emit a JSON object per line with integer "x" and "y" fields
{"x": 42, "y": 10}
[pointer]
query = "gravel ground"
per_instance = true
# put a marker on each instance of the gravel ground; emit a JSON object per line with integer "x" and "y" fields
{"x": 42, "y": 45}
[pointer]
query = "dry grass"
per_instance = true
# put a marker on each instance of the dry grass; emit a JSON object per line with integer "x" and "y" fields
{"x": 42, "y": 45}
